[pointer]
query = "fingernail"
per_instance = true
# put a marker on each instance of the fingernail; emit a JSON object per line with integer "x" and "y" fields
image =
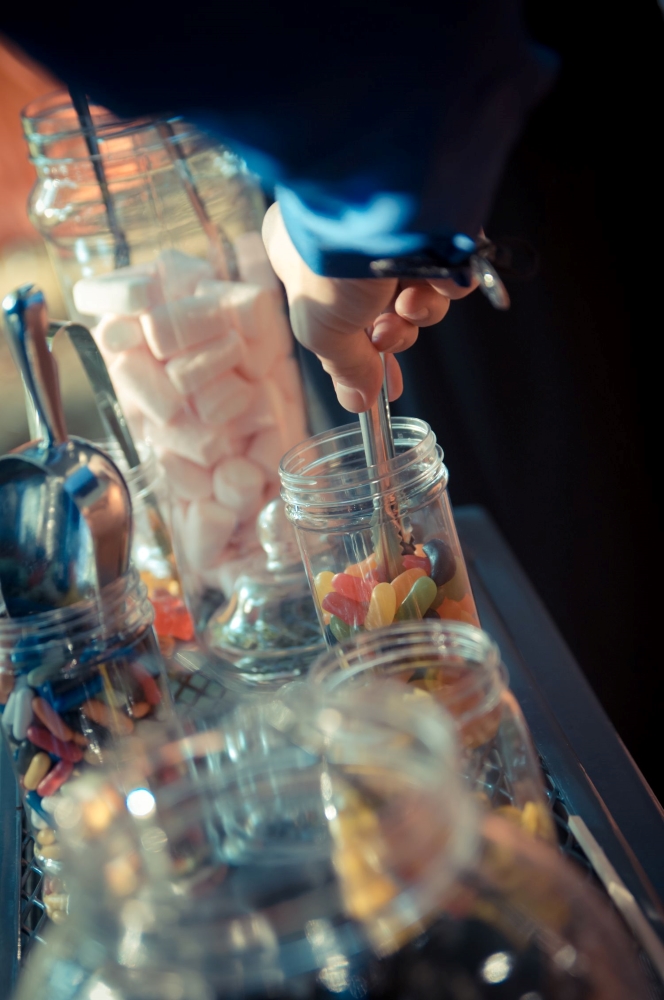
{"x": 417, "y": 316}
{"x": 378, "y": 330}
{"x": 350, "y": 399}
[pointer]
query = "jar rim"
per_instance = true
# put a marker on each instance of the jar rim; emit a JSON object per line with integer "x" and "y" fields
{"x": 382, "y": 650}
{"x": 51, "y": 118}
{"x": 307, "y": 483}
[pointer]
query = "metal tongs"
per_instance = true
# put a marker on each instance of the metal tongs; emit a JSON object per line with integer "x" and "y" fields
{"x": 391, "y": 539}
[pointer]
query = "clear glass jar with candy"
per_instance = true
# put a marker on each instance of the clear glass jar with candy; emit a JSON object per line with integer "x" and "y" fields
{"x": 303, "y": 849}
{"x": 154, "y": 231}
{"x": 366, "y": 570}
{"x": 459, "y": 666}
{"x": 75, "y": 682}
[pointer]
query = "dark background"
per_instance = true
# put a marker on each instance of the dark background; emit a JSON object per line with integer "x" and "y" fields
{"x": 549, "y": 414}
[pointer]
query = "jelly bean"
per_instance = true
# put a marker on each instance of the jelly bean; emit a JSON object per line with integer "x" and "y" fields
{"x": 171, "y": 616}
{"x": 382, "y": 606}
{"x": 458, "y": 586}
{"x": 323, "y": 584}
{"x": 47, "y": 741}
{"x": 417, "y": 562}
{"x": 24, "y": 755}
{"x": 430, "y": 613}
{"x": 104, "y": 715}
{"x": 339, "y": 629}
{"x": 42, "y": 818}
{"x": 72, "y": 697}
{"x": 419, "y": 599}
{"x": 140, "y": 709}
{"x": 22, "y": 713}
{"x": 352, "y": 586}
{"x": 53, "y": 852}
{"x": 8, "y": 714}
{"x": 364, "y": 568}
{"x": 51, "y": 719}
{"x": 441, "y": 557}
{"x": 46, "y": 837}
{"x": 148, "y": 683}
{"x": 49, "y": 802}
{"x": 452, "y": 611}
{"x": 40, "y": 765}
{"x": 6, "y": 686}
{"x": 40, "y": 675}
{"x": 55, "y": 778}
{"x": 468, "y": 604}
{"x": 403, "y": 583}
{"x": 351, "y": 612}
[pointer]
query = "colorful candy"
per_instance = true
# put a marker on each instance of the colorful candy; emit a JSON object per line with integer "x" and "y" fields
{"x": 441, "y": 558}
{"x": 351, "y": 612}
{"x": 108, "y": 717}
{"x": 148, "y": 683}
{"x": 402, "y": 584}
{"x": 382, "y": 606}
{"x": 52, "y": 720}
{"x": 323, "y": 584}
{"x": 453, "y": 611}
{"x": 458, "y": 586}
{"x": 339, "y": 629}
{"x": 42, "y": 738}
{"x": 417, "y": 562}
{"x": 39, "y": 767}
{"x": 352, "y": 586}
{"x": 171, "y": 617}
{"x": 419, "y": 599}
{"x": 55, "y": 778}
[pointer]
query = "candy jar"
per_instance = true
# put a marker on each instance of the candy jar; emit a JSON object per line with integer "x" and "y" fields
{"x": 338, "y": 506}
{"x": 303, "y": 849}
{"x": 458, "y": 666}
{"x": 268, "y": 632}
{"x": 75, "y": 682}
{"x": 165, "y": 263}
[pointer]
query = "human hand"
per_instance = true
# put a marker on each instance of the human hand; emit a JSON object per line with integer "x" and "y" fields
{"x": 330, "y": 316}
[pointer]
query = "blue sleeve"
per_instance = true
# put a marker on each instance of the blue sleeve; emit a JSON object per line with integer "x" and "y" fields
{"x": 383, "y": 128}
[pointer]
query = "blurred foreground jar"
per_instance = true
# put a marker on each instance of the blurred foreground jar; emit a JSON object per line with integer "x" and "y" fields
{"x": 458, "y": 666}
{"x": 168, "y": 269}
{"x": 74, "y": 683}
{"x": 336, "y": 505}
{"x": 304, "y": 849}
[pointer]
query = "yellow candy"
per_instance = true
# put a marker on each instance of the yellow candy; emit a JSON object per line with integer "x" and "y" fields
{"x": 323, "y": 585}
{"x": 40, "y": 765}
{"x": 382, "y": 606}
{"x": 403, "y": 583}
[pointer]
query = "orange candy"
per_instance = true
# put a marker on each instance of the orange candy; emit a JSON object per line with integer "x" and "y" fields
{"x": 367, "y": 567}
{"x": 458, "y": 611}
{"x": 404, "y": 582}
{"x": 171, "y": 617}
{"x": 352, "y": 586}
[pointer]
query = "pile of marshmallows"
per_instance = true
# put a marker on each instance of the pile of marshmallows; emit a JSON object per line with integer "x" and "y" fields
{"x": 203, "y": 369}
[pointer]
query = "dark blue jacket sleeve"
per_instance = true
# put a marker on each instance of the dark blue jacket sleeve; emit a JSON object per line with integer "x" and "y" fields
{"x": 383, "y": 128}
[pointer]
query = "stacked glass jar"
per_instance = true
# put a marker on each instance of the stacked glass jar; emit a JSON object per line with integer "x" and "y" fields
{"x": 155, "y": 239}
{"x": 304, "y": 849}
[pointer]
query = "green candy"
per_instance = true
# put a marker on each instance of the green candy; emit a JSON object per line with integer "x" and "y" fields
{"x": 340, "y": 630}
{"x": 420, "y": 598}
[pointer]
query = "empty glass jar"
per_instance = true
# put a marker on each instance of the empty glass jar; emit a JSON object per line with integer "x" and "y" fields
{"x": 458, "y": 666}
{"x": 379, "y": 546}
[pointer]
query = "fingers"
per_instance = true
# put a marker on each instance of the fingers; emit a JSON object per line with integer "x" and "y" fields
{"x": 392, "y": 333}
{"x": 421, "y": 304}
{"x": 356, "y": 370}
{"x": 450, "y": 289}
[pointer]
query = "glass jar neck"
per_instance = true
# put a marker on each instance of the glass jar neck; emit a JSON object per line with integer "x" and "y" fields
{"x": 78, "y": 634}
{"x": 57, "y": 139}
{"x": 326, "y": 482}
{"x": 466, "y": 662}
{"x": 142, "y": 480}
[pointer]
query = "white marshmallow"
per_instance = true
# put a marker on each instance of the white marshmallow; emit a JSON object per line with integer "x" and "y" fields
{"x": 253, "y": 262}
{"x": 259, "y": 417}
{"x": 224, "y": 398}
{"x": 118, "y": 333}
{"x": 266, "y": 450}
{"x": 136, "y": 374}
{"x": 189, "y": 438}
{"x": 187, "y": 480}
{"x": 127, "y": 290}
{"x": 296, "y": 425}
{"x": 189, "y": 371}
{"x": 247, "y": 308}
{"x": 179, "y": 273}
{"x": 275, "y": 340}
{"x": 207, "y": 528}
{"x": 238, "y": 484}
{"x": 182, "y": 323}
{"x": 286, "y": 373}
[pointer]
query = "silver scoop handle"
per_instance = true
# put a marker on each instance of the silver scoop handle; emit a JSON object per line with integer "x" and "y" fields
{"x": 26, "y": 320}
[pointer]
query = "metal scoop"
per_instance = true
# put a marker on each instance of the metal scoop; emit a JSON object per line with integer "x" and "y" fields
{"x": 65, "y": 512}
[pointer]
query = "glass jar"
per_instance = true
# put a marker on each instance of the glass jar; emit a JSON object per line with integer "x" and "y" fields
{"x": 326, "y": 862}
{"x": 368, "y": 568}
{"x": 458, "y": 666}
{"x": 154, "y": 232}
{"x": 75, "y": 682}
